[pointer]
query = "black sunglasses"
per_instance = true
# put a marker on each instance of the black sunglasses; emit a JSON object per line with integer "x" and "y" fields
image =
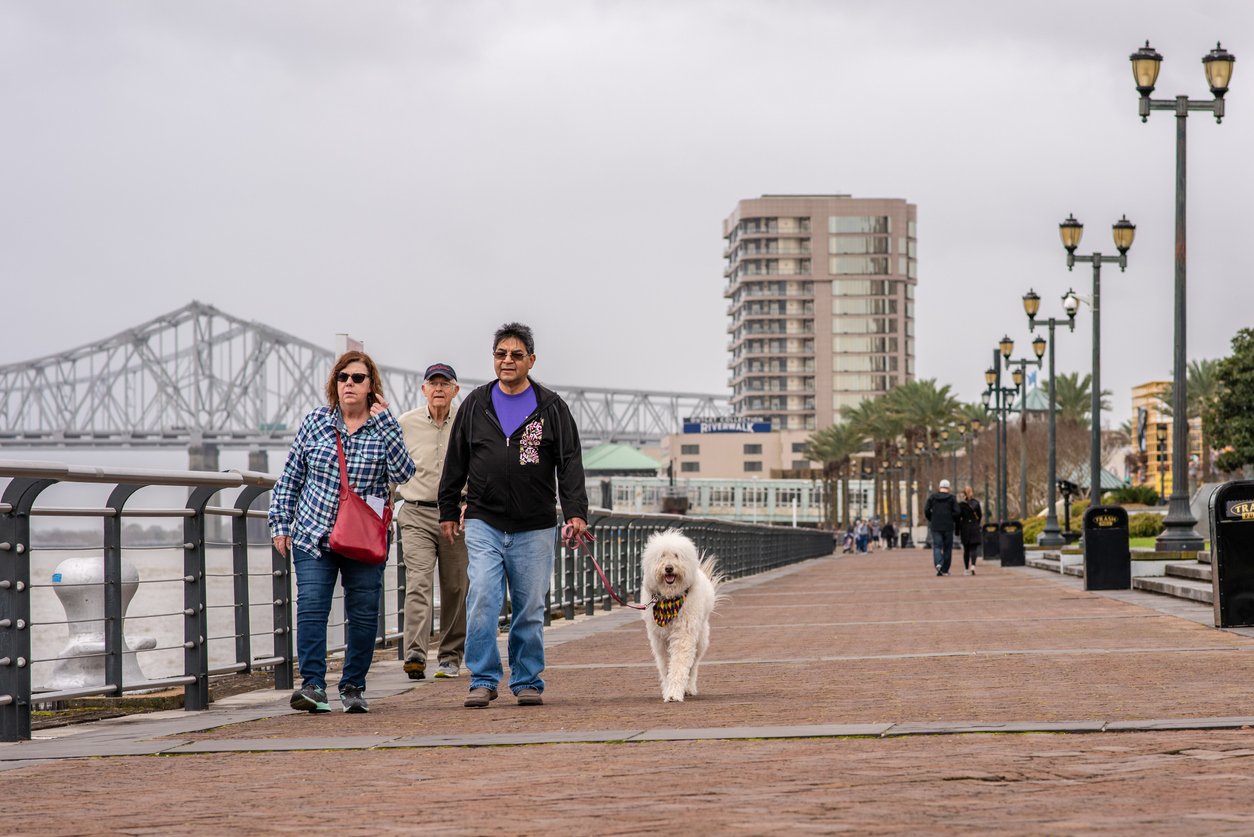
{"x": 358, "y": 377}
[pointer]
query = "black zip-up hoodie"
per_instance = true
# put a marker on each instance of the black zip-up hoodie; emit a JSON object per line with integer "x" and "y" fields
{"x": 511, "y": 482}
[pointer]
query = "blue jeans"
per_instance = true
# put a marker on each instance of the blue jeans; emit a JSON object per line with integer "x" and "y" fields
{"x": 315, "y": 585}
{"x": 942, "y": 549}
{"x": 525, "y": 560}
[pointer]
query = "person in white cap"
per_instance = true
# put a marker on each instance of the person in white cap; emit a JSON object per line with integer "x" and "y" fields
{"x": 943, "y": 514}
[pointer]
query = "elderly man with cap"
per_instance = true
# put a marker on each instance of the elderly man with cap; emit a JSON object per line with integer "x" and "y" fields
{"x": 426, "y": 432}
{"x": 943, "y": 514}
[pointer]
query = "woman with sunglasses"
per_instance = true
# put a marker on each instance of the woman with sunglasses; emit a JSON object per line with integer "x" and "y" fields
{"x": 303, "y": 506}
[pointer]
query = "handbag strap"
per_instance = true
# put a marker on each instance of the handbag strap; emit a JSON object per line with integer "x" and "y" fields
{"x": 339, "y": 448}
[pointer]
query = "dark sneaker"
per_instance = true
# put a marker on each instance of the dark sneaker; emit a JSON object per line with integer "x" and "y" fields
{"x": 479, "y": 697}
{"x": 310, "y": 698}
{"x": 447, "y": 669}
{"x": 353, "y": 700}
{"x": 529, "y": 697}
{"x": 415, "y": 668}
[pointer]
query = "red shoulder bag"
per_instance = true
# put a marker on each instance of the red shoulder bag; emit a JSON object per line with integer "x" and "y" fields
{"x": 358, "y": 533}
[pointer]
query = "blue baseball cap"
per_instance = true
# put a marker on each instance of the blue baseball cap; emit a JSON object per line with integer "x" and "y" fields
{"x": 440, "y": 370}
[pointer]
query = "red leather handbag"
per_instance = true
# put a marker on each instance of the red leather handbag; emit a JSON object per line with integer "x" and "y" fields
{"x": 358, "y": 533}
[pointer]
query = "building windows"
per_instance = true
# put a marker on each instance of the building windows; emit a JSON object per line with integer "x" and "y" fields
{"x": 856, "y": 246}
{"x": 865, "y": 325}
{"x": 801, "y": 464}
{"x": 799, "y": 447}
{"x": 863, "y": 307}
{"x": 752, "y": 467}
{"x": 858, "y": 265}
{"x": 865, "y": 224}
{"x": 690, "y": 467}
{"x": 864, "y": 363}
{"x": 689, "y": 450}
{"x": 863, "y": 287}
{"x": 753, "y": 450}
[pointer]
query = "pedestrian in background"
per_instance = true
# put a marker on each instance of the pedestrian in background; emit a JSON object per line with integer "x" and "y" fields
{"x": 427, "y": 430}
{"x": 969, "y": 523}
{"x": 889, "y": 534}
{"x": 303, "y": 506}
{"x": 942, "y": 513}
{"x": 515, "y": 449}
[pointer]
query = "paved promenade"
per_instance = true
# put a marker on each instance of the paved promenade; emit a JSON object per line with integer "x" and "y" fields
{"x": 857, "y": 694}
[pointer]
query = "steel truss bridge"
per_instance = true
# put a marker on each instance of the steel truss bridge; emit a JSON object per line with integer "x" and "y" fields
{"x": 200, "y": 377}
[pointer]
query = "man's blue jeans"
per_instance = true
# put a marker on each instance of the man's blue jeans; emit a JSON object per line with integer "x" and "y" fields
{"x": 315, "y": 585}
{"x": 942, "y": 549}
{"x": 525, "y": 561}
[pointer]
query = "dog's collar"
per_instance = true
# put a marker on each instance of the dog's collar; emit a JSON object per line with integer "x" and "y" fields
{"x": 666, "y": 609}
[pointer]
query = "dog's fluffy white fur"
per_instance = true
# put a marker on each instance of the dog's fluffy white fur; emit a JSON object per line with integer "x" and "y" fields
{"x": 671, "y": 567}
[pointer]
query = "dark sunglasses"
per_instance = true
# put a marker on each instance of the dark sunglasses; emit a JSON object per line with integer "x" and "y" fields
{"x": 358, "y": 377}
{"x": 501, "y": 354}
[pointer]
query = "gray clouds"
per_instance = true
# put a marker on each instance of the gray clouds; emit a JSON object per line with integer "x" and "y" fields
{"x": 416, "y": 173}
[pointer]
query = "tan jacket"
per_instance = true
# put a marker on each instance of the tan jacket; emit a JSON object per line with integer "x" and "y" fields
{"x": 427, "y": 444}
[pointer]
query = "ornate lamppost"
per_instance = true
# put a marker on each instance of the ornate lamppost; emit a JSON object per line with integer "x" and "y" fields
{"x": 1146, "y": 62}
{"x": 1071, "y": 231}
{"x": 1001, "y": 397}
{"x": 1052, "y": 535}
{"x": 1021, "y": 364}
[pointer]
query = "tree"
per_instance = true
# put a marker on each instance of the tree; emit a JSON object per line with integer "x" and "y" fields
{"x": 1074, "y": 397}
{"x": 1202, "y": 388}
{"x": 835, "y": 446}
{"x": 1230, "y": 423}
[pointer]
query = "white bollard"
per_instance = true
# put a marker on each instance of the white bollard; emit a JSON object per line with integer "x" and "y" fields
{"x": 79, "y": 584}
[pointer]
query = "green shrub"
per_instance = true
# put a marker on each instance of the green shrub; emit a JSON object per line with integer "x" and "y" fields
{"x": 1032, "y": 529}
{"x": 1145, "y": 525}
{"x": 1142, "y": 494}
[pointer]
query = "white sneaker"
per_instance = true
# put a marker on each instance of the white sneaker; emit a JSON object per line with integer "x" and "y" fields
{"x": 447, "y": 670}
{"x": 968, "y": 572}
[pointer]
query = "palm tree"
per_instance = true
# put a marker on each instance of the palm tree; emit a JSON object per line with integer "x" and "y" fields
{"x": 1202, "y": 388}
{"x": 835, "y": 446}
{"x": 920, "y": 409}
{"x": 874, "y": 421}
{"x": 1074, "y": 397}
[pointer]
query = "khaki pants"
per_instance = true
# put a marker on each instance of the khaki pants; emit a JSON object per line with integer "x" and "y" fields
{"x": 424, "y": 549}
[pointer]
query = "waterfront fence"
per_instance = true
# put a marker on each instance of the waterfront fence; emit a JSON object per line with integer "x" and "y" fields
{"x": 227, "y": 604}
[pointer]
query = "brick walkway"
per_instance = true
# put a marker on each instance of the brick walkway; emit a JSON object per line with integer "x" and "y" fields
{"x": 824, "y": 698}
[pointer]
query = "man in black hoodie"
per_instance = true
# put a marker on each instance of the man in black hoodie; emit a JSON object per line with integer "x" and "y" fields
{"x": 515, "y": 448}
{"x": 943, "y": 513}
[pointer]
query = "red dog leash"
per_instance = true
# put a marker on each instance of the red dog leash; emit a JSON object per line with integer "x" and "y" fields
{"x": 576, "y": 541}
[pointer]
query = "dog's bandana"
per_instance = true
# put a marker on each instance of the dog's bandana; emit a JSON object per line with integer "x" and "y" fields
{"x": 665, "y": 610}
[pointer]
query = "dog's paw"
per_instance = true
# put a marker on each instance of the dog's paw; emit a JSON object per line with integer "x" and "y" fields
{"x": 672, "y": 696}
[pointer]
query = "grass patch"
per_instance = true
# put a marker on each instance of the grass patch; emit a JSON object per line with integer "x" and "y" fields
{"x": 1148, "y": 543}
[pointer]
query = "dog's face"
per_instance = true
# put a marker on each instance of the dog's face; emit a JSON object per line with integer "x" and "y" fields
{"x": 669, "y": 563}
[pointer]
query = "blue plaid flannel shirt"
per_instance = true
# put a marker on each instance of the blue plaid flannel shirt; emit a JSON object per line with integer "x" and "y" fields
{"x": 306, "y": 496}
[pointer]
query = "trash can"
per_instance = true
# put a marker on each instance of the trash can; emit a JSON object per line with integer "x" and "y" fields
{"x": 1232, "y": 553}
{"x": 1107, "y": 558}
{"x": 1010, "y": 544}
{"x": 990, "y": 534}
{"x": 907, "y": 541}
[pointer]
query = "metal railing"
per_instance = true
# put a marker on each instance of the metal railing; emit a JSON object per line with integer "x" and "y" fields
{"x": 238, "y": 597}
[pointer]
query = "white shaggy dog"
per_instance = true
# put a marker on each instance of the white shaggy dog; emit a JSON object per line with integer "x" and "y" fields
{"x": 683, "y": 588}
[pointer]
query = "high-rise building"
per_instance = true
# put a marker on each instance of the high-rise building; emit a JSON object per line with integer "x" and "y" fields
{"x": 821, "y": 291}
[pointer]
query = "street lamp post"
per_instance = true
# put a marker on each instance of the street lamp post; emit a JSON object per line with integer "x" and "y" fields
{"x": 1071, "y": 231}
{"x": 1000, "y": 396}
{"x": 976, "y": 427}
{"x": 1020, "y": 365}
{"x": 1179, "y": 533}
{"x": 1052, "y": 535}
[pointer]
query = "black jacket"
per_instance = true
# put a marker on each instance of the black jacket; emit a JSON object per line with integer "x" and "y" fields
{"x": 511, "y": 483}
{"x": 942, "y": 511}
{"x": 970, "y": 520}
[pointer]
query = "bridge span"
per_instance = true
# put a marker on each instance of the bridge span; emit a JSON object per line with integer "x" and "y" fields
{"x": 200, "y": 378}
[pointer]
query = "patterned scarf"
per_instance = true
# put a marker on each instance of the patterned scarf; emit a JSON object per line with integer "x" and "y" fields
{"x": 665, "y": 610}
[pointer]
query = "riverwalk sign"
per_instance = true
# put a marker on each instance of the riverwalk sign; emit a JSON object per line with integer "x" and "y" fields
{"x": 725, "y": 424}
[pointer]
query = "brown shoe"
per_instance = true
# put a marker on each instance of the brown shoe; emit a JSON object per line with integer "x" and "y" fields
{"x": 479, "y": 697}
{"x": 529, "y": 697}
{"x": 415, "y": 668}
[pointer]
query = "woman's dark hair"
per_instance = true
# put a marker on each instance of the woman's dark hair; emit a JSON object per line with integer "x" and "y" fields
{"x": 519, "y": 332}
{"x": 376, "y": 382}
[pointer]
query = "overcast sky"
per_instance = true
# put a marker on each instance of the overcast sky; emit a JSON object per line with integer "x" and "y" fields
{"x": 416, "y": 173}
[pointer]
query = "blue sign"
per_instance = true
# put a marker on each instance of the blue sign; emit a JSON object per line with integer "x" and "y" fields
{"x": 726, "y": 424}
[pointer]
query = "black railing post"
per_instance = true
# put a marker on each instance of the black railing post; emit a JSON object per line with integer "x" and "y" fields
{"x": 239, "y": 561}
{"x": 195, "y": 618}
{"x": 281, "y": 591}
{"x": 114, "y": 643}
{"x": 15, "y": 641}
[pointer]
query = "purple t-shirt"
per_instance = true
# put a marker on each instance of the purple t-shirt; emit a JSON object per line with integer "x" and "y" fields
{"x": 511, "y": 410}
